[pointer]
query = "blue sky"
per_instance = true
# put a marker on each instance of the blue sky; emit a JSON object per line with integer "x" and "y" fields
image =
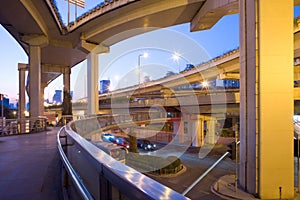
{"x": 216, "y": 41}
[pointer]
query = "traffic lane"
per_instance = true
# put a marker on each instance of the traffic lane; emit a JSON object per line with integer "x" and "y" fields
{"x": 195, "y": 167}
{"x": 202, "y": 190}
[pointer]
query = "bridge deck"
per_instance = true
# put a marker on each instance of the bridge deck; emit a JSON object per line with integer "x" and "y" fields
{"x": 30, "y": 166}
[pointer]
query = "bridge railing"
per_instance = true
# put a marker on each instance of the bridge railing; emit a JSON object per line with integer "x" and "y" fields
{"x": 21, "y": 126}
{"x": 97, "y": 174}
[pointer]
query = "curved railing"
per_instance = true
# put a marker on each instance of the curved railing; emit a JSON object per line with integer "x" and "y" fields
{"x": 70, "y": 170}
{"x": 97, "y": 174}
{"x": 20, "y": 126}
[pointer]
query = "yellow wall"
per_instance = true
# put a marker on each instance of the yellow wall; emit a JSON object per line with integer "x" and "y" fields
{"x": 275, "y": 61}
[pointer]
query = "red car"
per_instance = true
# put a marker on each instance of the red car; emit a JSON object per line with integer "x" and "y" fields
{"x": 122, "y": 142}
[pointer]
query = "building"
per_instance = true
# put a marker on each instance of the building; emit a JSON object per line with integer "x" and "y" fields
{"x": 57, "y": 97}
{"x": 104, "y": 86}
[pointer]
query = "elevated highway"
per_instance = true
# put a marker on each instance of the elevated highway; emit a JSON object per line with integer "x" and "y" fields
{"x": 54, "y": 48}
{"x": 38, "y": 23}
{"x": 266, "y": 57}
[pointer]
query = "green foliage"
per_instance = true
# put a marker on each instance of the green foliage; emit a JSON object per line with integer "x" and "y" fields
{"x": 154, "y": 164}
{"x": 133, "y": 143}
{"x": 227, "y": 133}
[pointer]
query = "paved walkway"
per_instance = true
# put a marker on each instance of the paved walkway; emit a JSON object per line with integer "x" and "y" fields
{"x": 225, "y": 188}
{"x": 30, "y": 167}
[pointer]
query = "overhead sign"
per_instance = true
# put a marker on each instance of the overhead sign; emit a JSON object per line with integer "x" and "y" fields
{"x": 79, "y": 3}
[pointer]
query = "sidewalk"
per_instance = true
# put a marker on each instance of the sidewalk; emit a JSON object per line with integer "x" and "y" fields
{"x": 225, "y": 188}
{"x": 30, "y": 167}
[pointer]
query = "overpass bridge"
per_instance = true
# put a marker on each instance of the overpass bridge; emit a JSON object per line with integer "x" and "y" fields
{"x": 267, "y": 52}
{"x": 54, "y": 48}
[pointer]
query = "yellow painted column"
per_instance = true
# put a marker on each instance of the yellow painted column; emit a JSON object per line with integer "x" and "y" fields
{"x": 276, "y": 88}
{"x": 266, "y": 129}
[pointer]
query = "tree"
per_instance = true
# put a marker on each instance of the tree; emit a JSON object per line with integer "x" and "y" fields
{"x": 132, "y": 141}
{"x": 169, "y": 73}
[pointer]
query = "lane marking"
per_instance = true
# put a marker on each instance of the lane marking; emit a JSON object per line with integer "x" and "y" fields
{"x": 204, "y": 174}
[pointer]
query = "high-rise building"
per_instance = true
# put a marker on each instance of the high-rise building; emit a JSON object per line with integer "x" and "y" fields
{"x": 57, "y": 97}
{"x": 5, "y": 102}
{"x": 104, "y": 86}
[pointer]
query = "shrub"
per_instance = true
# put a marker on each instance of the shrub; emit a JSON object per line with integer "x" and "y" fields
{"x": 154, "y": 164}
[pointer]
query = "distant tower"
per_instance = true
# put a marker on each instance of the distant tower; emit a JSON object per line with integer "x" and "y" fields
{"x": 104, "y": 86}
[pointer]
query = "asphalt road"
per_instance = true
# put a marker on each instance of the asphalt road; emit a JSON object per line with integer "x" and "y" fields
{"x": 194, "y": 168}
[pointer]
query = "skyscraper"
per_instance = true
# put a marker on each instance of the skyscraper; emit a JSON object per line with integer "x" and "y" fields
{"x": 57, "y": 97}
{"x": 104, "y": 86}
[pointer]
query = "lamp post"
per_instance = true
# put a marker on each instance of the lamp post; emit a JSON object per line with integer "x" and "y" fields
{"x": 176, "y": 57}
{"x": 2, "y": 99}
{"x": 144, "y": 55}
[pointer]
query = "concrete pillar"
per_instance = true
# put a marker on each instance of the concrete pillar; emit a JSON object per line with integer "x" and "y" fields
{"x": 43, "y": 85}
{"x": 211, "y": 136}
{"x": 93, "y": 74}
{"x": 67, "y": 104}
{"x": 35, "y": 80}
{"x": 92, "y": 83}
{"x": 186, "y": 136}
{"x": 197, "y": 128}
{"x": 266, "y": 107}
{"x": 22, "y": 100}
{"x": 178, "y": 131}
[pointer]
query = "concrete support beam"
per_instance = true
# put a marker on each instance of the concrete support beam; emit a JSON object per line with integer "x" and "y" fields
{"x": 22, "y": 100}
{"x": 266, "y": 130}
{"x": 93, "y": 74}
{"x": 50, "y": 68}
{"x": 35, "y": 81}
{"x": 212, "y": 12}
{"x": 197, "y": 127}
{"x": 92, "y": 78}
{"x": 36, "y": 14}
{"x": 178, "y": 131}
{"x": 67, "y": 101}
{"x": 229, "y": 76}
{"x": 43, "y": 86}
{"x": 211, "y": 123}
{"x": 35, "y": 40}
{"x": 196, "y": 130}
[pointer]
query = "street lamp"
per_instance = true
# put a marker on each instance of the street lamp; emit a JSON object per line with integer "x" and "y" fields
{"x": 2, "y": 99}
{"x": 14, "y": 113}
{"x": 205, "y": 84}
{"x": 144, "y": 55}
{"x": 176, "y": 57}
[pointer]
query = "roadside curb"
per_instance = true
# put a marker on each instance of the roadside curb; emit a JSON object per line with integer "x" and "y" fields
{"x": 224, "y": 187}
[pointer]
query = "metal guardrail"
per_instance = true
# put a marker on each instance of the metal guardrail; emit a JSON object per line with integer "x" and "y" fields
{"x": 70, "y": 170}
{"x": 20, "y": 126}
{"x": 99, "y": 176}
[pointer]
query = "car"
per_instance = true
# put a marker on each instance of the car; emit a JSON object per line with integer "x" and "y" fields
{"x": 107, "y": 137}
{"x": 146, "y": 145}
{"x": 122, "y": 142}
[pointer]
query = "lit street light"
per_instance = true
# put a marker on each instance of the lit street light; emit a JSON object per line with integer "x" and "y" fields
{"x": 14, "y": 113}
{"x": 2, "y": 99}
{"x": 144, "y": 55}
{"x": 176, "y": 57}
{"x": 205, "y": 85}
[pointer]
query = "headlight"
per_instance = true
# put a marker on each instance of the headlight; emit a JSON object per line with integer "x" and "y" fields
{"x": 149, "y": 146}
{"x": 154, "y": 145}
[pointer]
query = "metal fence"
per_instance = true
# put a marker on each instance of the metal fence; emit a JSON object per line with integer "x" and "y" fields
{"x": 21, "y": 126}
{"x": 96, "y": 175}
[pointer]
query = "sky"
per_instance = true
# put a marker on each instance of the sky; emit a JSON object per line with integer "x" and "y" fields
{"x": 224, "y": 36}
